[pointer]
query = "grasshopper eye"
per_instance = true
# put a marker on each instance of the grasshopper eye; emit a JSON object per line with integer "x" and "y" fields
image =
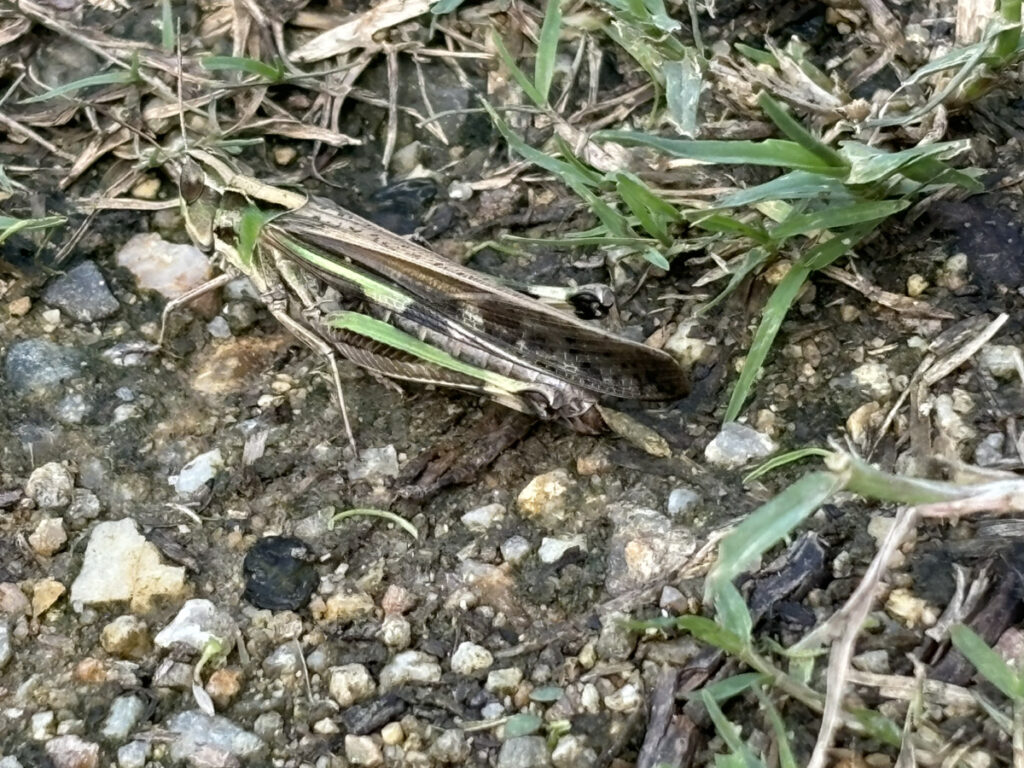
{"x": 192, "y": 181}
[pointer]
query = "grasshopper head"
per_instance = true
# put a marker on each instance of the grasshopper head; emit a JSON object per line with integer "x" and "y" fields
{"x": 199, "y": 203}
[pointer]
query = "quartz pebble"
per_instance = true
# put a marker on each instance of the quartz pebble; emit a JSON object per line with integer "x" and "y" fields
{"x": 737, "y": 444}
{"x": 410, "y": 667}
{"x": 50, "y": 486}
{"x": 470, "y": 658}
{"x": 350, "y": 683}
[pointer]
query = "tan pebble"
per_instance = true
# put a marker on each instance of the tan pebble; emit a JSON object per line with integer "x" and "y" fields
{"x": 593, "y": 463}
{"x": 48, "y": 537}
{"x": 392, "y": 734}
{"x": 224, "y": 685}
{"x": 90, "y": 670}
{"x": 127, "y": 637}
{"x": 19, "y": 307}
{"x": 916, "y": 285}
{"x": 12, "y": 600}
{"x": 45, "y": 594}
{"x": 774, "y": 274}
{"x": 147, "y": 189}
{"x": 285, "y": 155}
{"x": 397, "y": 599}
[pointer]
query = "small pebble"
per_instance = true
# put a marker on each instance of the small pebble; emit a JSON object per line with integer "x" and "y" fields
{"x": 392, "y": 734}
{"x": 72, "y": 751}
{"x": 544, "y": 498}
{"x": 37, "y": 367}
{"x": 50, "y": 486}
{"x": 450, "y": 747}
{"x": 197, "y": 472}
{"x": 49, "y": 536}
{"x": 127, "y": 637}
{"x": 524, "y": 752}
{"x": 681, "y": 501}
{"x": 553, "y": 549}
{"x": 470, "y": 658}
{"x": 82, "y": 294}
{"x": 133, "y": 754}
{"x": 410, "y": 667}
{"x": 916, "y": 285}
{"x": 504, "y": 681}
{"x": 479, "y": 520}
{"x": 363, "y": 751}
{"x": 45, "y": 593}
{"x": 736, "y": 445}
{"x": 350, "y": 683}
{"x": 396, "y": 632}
{"x": 515, "y": 549}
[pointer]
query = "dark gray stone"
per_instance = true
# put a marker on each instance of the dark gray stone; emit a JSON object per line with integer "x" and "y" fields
{"x": 37, "y": 367}
{"x": 82, "y": 294}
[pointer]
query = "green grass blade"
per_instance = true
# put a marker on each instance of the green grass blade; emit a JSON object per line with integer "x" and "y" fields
{"x": 723, "y": 690}
{"x": 731, "y": 611}
{"x": 654, "y": 214}
{"x": 395, "y": 338}
{"x": 795, "y": 185}
{"x": 720, "y": 223}
{"x": 786, "y": 758}
{"x": 773, "y": 152}
{"x": 778, "y": 305}
{"x": 755, "y": 257}
{"x": 118, "y": 77}
{"x": 796, "y": 132}
{"x": 730, "y": 734}
{"x": 167, "y": 31}
{"x": 547, "y": 50}
{"x": 711, "y": 633}
{"x": 683, "y": 81}
{"x": 836, "y": 217}
{"x": 769, "y": 524}
{"x": 442, "y": 7}
{"x": 594, "y": 178}
{"x": 869, "y": 165}
{"x": 578, "y": 181}
{"x": 987, "y": 661}
{"x": 782, "y": 460}
{"x": 269, "y": 72}
{"x": 517, "y": 74}
{"x": 10, "y": 226}
{"x": 757, "y": 56}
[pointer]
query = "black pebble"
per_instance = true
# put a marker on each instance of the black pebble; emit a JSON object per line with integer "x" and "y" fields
{"x": 278, "y": 574}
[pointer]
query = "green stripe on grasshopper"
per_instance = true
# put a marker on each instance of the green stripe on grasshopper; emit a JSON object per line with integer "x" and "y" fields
{"x": 374, "y": 290}
{"x": 382, "y": 332}
{"x": 249, "y": 227}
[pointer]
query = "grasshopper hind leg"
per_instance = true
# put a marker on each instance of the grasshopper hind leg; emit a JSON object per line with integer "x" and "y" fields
{"x": 176, "y": 303}
{"x": 319, "y": 345}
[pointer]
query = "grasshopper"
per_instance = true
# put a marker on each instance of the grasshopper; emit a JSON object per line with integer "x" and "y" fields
{"x": 347, "y": 287}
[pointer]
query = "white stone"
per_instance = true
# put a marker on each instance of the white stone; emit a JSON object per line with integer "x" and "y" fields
{"x": 736, "y": 444}
{"x": 120, "y": 565}
{"x": 552, "y": 549}
{"x": 480, "y": 519}
{"x": 198, "y": 622}
{"x": 410, "y": 667}
{"x": 50, "y": 486}
{"x": 504, "y": 681}
{"x": 167, "y": 268}
{"x": 363, "y": 750}
{"x": 197, "y": 472}
{"x": 470, "y": 658}
{"x": 350, "y": 683}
